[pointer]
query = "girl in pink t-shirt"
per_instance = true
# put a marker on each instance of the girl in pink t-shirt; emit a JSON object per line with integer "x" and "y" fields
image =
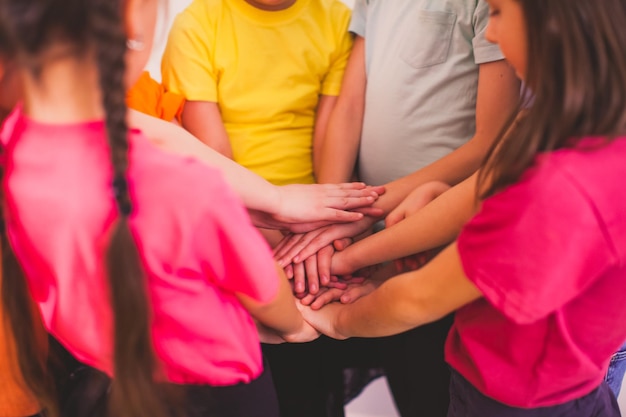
{"x": 537, "y": 276}
{"x": 145, "y": 266}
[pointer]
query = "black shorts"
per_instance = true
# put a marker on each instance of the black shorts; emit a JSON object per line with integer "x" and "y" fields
{"x": 88, "y": 389}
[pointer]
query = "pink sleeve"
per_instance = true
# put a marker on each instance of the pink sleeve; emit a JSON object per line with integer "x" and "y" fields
{"x": 534, "y": 246}
{"x": 232, "y": 251}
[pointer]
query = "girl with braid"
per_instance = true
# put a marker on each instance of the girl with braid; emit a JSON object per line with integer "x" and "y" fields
{"x": 145, "y": 270}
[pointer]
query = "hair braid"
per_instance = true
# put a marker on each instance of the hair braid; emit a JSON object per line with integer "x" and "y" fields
{"x": 135, "y": 392}
{"x": 22, "y": 320}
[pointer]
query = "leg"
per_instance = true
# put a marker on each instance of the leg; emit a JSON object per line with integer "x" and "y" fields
{"x": 417, "y": 373}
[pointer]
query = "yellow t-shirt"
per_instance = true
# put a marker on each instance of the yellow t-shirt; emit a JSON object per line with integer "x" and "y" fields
{"x": 266, "y": 70}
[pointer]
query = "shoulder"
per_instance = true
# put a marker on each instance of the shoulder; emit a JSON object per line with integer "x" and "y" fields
{"x": 200, "y": 13}
{"x": 334, "y": 9}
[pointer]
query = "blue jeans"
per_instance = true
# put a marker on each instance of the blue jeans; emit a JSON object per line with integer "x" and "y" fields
{"x": 617, "y": 368}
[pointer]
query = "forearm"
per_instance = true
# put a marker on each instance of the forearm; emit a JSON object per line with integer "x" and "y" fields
{"x": 281, "y": 314}
{"x": 255, "y": 192}
{"x": 497, "y": 98}
{"x": 340, "y": 144}
{"x": 409, "y": 300}
{"x": 437, "y": 224}
{"x": 204, "y": 121}
{"x": 382, "y": 312}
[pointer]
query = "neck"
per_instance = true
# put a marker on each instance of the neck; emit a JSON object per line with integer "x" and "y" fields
{"x": 272, "y": 7}
{"x": 65, "y": 91}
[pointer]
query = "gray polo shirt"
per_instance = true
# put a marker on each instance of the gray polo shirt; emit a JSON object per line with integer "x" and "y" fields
{"x": 422, "y": 61}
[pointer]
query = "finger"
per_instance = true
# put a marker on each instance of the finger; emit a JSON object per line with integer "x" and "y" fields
{"x": 310, "y": 266}
{"x": 396, "y": 216}
{"x": 338, "y": 284}
{"x": 333, "y": 294}
{"x": 346, "y": 202}
{"x": 309, "y": 298}
{"x": 284, "y": 241}
{"x": 349, "y": 185}
{"x": 370, "y": 211}
{"x": 352, "y": 294}
{"x": 355, "y": 280}
{"x": 324, "y": 259}
{"x": 301, "y": 249}
{"x": 289, "y": 271}
{"x": 378, "y": 189}
{"x": 341, "y": 244}
{"x": 299, "y": 278}
{"x": 293, "y": 248}
{"x": 285, "y": 245}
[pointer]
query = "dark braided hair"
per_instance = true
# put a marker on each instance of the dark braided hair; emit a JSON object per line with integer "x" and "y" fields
{"x": 27, "y": 27}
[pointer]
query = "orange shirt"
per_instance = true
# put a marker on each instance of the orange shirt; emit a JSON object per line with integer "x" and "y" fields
{"x": 150, "y": 97}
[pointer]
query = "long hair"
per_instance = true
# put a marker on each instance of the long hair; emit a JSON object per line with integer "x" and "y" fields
{"x": 576, "y": 81}
{"x": 27, "y": 28}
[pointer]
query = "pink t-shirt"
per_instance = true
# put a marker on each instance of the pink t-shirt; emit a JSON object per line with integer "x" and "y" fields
{"x": 549, "y": 256}
{"x": 196, "y": 241}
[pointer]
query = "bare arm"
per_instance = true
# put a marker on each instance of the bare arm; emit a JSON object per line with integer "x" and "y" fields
{"x": 291, "y": 206}
{"x": 498, "y": 95}
{"x": 437, "y": 224}
{"x": 204, "y": 120}
{"x": 281, "y": 314}
{"x": 322, "y": 115}
{"x": 401, "y": 303}
{"x": 340, "y": 144}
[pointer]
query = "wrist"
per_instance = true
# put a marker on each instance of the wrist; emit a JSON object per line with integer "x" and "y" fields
{"x": 339, "y": 323}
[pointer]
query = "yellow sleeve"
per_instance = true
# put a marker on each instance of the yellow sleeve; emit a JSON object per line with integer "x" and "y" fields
{"x": 331, "y": 85}
{"x": 187, "y": 66}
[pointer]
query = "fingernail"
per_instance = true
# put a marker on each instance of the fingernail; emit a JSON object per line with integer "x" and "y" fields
{"x": 296, "y": 259}
{"x": 313, "y": 288}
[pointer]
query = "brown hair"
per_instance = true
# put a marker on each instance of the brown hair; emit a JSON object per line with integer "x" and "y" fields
{"x": 576, "y": 82}
{"x": 27, "y": 28}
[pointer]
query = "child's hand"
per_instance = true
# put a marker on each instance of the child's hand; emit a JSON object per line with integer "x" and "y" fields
{"x": 302, "y": 208}
{"x": 295, "y": 248}
{"x": 350, "y": 291}
{"x": 324, "y": 319}
{"x": 307, "y": 333}
{"x": 415, "y": 201}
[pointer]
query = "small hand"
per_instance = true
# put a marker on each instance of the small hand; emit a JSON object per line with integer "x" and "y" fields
{"x": 352, "y": 290}
{"x": 302, "y": 208}
{"x": 299, "y": 247}
{"x": 415, "y": 201}
{"x": 324, "y": 319}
